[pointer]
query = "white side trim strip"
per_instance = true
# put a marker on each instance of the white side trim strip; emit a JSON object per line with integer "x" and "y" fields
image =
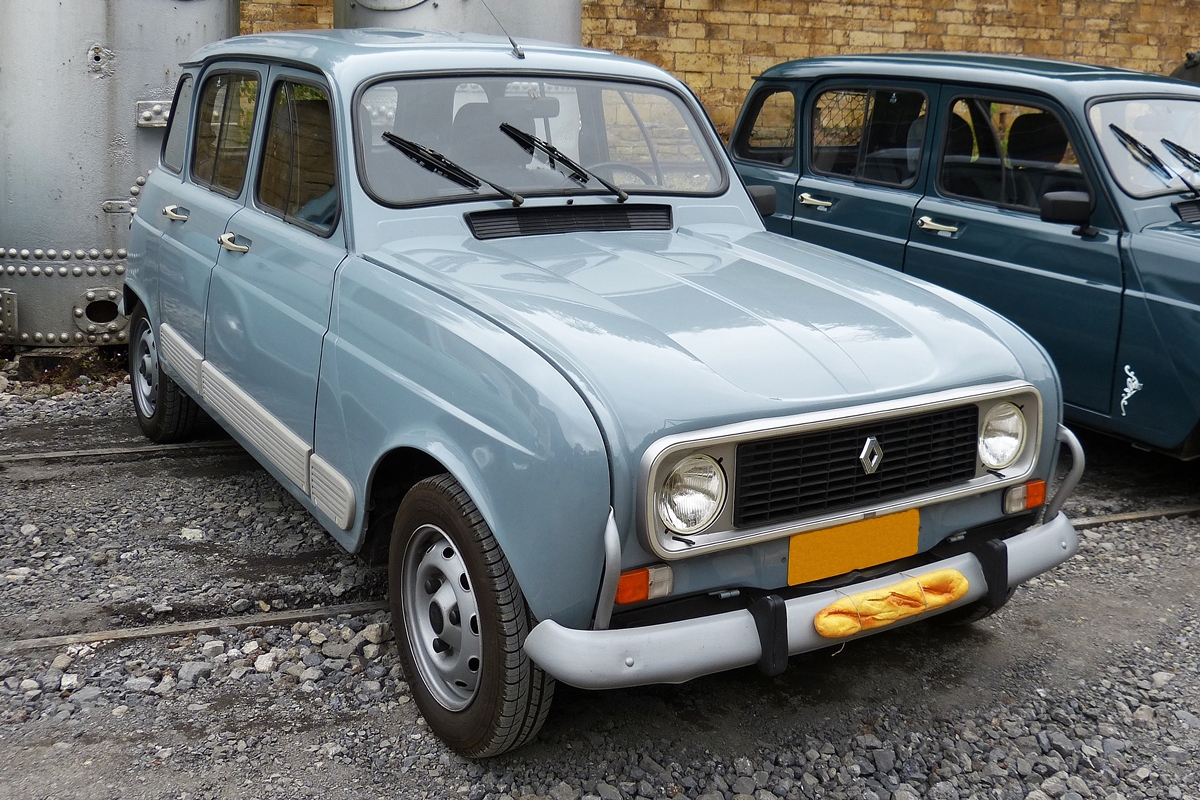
{"x": 283, "y": 448}
{"x": 180, "y": 355}
{"x": 331, "y": 492}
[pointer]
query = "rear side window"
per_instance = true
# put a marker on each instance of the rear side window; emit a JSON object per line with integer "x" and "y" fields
{"x": 1006, "y": 154}
{"x": 298, "y": 177}
{"x": 771, "y": 139}
{"x": 224, "y": 124}
{"x": 869, "y": 135}
{"x": 176, "y": 139}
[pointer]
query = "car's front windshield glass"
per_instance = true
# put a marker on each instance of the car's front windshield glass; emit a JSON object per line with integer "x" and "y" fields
{"x": 1170, "y": 127}
{"x": 642, "y": 138}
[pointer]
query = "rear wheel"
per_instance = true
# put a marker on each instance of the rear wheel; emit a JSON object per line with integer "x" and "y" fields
{"x": 164, "y": 411}
{"x": 460, "y": 622}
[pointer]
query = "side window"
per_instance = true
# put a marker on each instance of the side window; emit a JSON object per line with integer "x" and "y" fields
{"x": 298, "y": 178}
{"x": 869, "y": 135}
{"x": 224, "y": 124}
{"x": 176, "y": 138}
{"x": 771, "y": 139}
{"x": 1006, "y": 154}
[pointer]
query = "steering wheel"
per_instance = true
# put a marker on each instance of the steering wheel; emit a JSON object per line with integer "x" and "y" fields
{"x": 621, "y": 166}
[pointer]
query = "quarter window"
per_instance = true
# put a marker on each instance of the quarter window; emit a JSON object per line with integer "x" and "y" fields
{"x": 298, "y": 176}
{"x": 176, "y": 138}
{"x": 870, "y": 135}
{"x": 1006, "y": 154}
{"x": 224, "y": 124}
{"x": 772, "y": 137}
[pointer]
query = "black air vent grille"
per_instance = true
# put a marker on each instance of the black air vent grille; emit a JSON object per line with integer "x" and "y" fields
{"x": 814, "y": 473}
{"x": 568, "y": 219}
{"x": 1189, "y": 211}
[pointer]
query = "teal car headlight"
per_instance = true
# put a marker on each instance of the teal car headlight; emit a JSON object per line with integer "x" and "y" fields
{"x": 1002, "y": 436}
{"x": 692, "y": 494}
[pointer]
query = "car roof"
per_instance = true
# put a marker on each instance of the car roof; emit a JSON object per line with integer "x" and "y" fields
{"x": 1041, "y": 74}
{"x": 353, "y": 54}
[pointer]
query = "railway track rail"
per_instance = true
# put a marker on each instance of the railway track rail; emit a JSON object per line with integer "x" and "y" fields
{"x": 183, "y": 448}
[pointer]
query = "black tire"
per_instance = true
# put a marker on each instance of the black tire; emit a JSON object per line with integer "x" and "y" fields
{"x": 502, "y": 702}
{"x": 164, "y": 411}
{"x": 969, "y": 613}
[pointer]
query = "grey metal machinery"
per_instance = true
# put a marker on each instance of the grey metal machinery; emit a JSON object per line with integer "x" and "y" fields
{"x": 548, "y": 20}
{"x": 85, "y": 93}
{"x": 1189, "y": 70}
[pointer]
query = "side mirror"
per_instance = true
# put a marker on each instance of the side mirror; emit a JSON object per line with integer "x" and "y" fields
{"x": 1073, "y": 208}
{"x": 764, "y": 199}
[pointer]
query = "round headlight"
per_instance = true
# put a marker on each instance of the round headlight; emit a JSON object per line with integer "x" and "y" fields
{"x": 692, "y": 494}
{"x": 1002, "y": 437}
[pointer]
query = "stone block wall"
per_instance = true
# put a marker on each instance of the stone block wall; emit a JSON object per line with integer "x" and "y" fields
{"x": 718, "y": 46}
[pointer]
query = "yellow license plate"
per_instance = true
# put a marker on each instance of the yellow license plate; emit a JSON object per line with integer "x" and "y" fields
{"x": 833, "y": 551}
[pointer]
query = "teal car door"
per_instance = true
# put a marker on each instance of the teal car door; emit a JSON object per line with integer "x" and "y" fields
{"x": 865, "y": 149}
{"x": 979, "y": 232}
{"x": 764, "y": 148}
{"x": 272, "y": 287}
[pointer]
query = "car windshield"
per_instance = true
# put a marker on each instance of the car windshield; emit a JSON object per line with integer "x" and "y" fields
{"x": 1150, "y": 121}
{"x": 640, "y": 137}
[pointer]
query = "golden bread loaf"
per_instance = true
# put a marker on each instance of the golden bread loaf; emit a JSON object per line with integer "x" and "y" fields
{"x": 883, "y": 606}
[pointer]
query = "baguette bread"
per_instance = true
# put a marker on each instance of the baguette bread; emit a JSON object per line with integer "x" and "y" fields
{"x": 883, "y": 606}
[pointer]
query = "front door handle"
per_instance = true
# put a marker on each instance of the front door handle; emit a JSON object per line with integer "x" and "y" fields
{"x": 927, "y": 224}
{"x": 175, "y": 212}
{"x": 807, "y": 199}
{"x": 226, "y": 240}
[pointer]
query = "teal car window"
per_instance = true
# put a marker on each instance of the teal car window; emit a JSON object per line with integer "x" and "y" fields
{"x": 869, "y": 135}
{"x": 1158, "y": 123}
{"x": 1006, "y": 154}
{"x": 298, "y": 178}
{"x": 225, "y": 122}
{"x": 772, "y": 137}
{"x": 176, "y": 138}
{"x": 641, "y": 137}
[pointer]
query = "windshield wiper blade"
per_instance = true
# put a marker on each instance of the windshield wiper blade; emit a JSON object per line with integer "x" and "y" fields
{"x": 577, "y": 172}
{"x": 1186, "y": 157}
{"x": 1149, "y": 159}
{"x": 438, "y": 164}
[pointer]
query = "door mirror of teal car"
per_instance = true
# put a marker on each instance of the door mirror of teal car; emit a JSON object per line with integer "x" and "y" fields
{"x": 764, "y": 199}
{"x": 1074, "y": 208}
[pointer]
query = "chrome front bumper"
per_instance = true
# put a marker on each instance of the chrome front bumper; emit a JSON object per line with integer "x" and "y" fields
{"x": 680, "y": 651}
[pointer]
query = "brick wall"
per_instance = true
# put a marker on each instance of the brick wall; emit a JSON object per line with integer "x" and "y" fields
{"x": 718, "y": 46}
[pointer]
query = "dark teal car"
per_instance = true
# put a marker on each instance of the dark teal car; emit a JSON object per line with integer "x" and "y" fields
{"x": 1062, "y": 195}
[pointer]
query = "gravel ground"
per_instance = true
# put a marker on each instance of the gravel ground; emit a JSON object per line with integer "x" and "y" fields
{"x": 1087, "y": 685}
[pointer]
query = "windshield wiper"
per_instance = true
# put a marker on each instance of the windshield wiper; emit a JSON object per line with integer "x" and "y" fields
{"x": 1149, "y": 159}
{"x": 1186, "y": 157}
{"x": 576, "y": 172}
{"x": 438, "y": 164}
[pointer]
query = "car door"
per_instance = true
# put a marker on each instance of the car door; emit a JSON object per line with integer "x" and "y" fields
{"x": 764, "y": 149}
{"x": 271, "y": 290}
{"x": 979, "y": 232}
{"x": 865, "y": 144}
{"x": 194, "y": 209}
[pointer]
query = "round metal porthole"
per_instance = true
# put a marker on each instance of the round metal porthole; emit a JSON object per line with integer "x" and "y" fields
{"x": 101, "y": 312}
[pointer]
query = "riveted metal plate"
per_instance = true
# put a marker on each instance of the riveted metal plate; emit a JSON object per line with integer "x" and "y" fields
{"x": 8, "y": 315}
{"x": 116, "y": 206}
{"x": 153, "y": 113}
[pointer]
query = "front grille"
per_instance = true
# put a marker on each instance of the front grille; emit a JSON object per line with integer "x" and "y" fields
{"x": 812, "y": 473}
{"x": 507, "y": 222}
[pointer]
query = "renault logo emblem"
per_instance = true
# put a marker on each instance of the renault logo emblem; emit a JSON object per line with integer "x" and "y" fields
{"x": 871, "y": 456}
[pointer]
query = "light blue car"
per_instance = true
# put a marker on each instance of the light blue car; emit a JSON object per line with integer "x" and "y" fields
{"x": 505, "y": 317}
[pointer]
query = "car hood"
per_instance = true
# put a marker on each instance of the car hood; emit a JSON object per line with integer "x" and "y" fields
{"x": 665, "y": 332}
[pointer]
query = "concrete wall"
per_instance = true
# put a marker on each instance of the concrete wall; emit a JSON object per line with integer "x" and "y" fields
{"x": 718, "y": 46}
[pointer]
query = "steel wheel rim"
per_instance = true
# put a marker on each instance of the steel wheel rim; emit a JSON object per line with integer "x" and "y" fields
{"x": 441, "y": 618}
{"x": 145, "y": 377}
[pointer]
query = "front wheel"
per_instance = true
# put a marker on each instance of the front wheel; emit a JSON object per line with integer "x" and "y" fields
{"x": 461, "y": 622}
{"x": 164, "y": 411}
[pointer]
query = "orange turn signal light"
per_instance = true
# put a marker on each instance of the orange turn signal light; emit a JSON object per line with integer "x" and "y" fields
{"x": 644, "y": 583}
{"x": 1024, "y": 497}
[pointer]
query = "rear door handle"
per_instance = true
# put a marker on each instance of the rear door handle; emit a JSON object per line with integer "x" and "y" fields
{"x": 927, "y": 224}
{"x": 226, "y": 240}
{"x": 808, "y": 200}
{"x": 175, "y": 212}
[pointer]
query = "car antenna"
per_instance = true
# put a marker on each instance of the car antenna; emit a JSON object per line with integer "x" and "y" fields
{"x": 517, "y": 51}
